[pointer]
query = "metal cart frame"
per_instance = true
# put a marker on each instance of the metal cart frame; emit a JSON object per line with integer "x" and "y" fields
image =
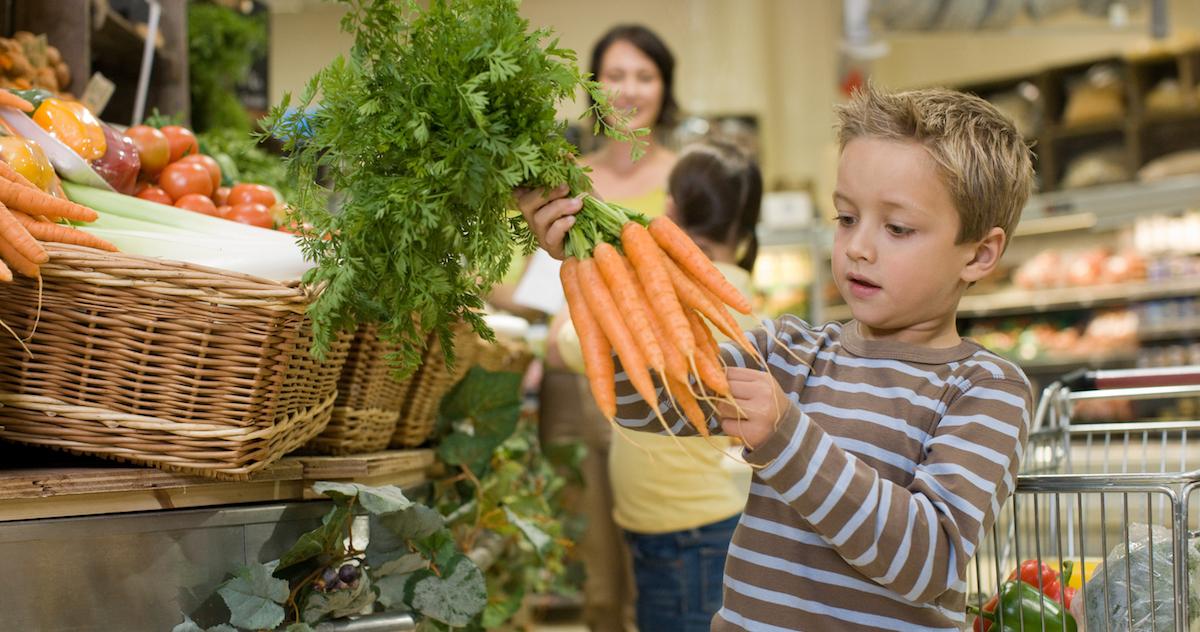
{"x": 1071, "y": 470}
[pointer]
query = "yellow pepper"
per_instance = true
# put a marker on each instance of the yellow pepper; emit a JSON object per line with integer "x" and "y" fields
{"x": 28, "y": 159}
{"x": 74, "y": 125}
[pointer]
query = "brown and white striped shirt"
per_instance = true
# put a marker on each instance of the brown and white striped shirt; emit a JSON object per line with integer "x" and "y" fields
{"x": 877, "y": 486}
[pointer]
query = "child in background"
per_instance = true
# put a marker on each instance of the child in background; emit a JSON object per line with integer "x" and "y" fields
{"x": 884, "y": 447}
{"x": 678, "y": 534}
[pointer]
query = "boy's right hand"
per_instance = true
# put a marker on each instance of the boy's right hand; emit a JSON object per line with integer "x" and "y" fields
{"x": 549, "y": 214}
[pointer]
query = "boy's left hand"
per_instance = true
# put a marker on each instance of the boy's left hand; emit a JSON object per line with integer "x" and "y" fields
{"x": 762, "y": 404}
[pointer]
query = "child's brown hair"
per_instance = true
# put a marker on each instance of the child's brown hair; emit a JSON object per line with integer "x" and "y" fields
{"x": 717, "y": 190}
{"x": 984, "y": 162}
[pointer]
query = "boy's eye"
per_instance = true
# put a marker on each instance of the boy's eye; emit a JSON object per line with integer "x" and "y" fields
{"x": 898, "y": 231}
{"x": 843, "y": 219}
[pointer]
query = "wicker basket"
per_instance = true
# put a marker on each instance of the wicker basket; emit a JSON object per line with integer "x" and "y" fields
{"x": 429, "y": 384}
{"x": 369, "y": 400}
{"x": 178, "y": 366}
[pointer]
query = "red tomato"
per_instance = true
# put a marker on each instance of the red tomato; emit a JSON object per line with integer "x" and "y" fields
{"x": 221, "y": 196}
{"x": 154, "y": 151}
{"x": 181, "y": 178}
{"x": 198, "y": 203}
{"x": 252, "y": 194}
{"x": 182, "y": 141}
{"x": 154, "y": 194}
{"x": 223, "y": 210}
{"x": 209, "y": 163}
{"x": 253, "y": 214}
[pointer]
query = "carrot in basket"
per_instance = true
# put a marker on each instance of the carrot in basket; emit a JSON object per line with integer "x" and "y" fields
{"x": 625, "y": 292}
{"x": 688, "y": 255}
{"x": 600, "y": 303}
{"x": 12, "y": 100}
{"x": 597, "y": 352}
{"x": 58, "y": 233}
{"x": 17, "y": 261}
{"x": 36, "y": 202}
{"x": 648, "y": 260}
{"x": 15, "y": 234}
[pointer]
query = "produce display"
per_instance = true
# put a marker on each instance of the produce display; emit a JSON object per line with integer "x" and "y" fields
{"x": 28, "y": 61}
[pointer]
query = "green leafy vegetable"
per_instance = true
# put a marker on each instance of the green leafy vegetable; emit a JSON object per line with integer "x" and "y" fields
{"x": 222, "y": 44}
{"x": 424, "y": 132}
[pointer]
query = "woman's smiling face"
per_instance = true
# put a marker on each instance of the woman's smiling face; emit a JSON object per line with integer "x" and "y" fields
{"x": 633, "y": 82}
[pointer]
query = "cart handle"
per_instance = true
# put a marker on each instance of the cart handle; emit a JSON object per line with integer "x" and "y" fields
{"x": 1086, "y": 380}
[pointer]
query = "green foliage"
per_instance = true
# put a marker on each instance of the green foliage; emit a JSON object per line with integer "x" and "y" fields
{"x": 513, "y": 493}
{"x": 254, "y": 597}
{"x": 222, "y": 44}
{"x": 424, "y": 132}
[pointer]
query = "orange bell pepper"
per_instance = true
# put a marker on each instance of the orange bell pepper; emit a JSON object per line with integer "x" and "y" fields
{"x": 27, "y": 158}
{"x": 74, "y": 125}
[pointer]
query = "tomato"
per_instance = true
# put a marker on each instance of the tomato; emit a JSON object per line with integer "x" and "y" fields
{"x": 154, "y": 194}
{"x": 153, "y": 149}
{"x": 209, "y": 163}
{"x": 198, "y": 203}
{"x": 181, "y": 178}
{"x": 221, "y": 196}
{"x": 252, "y": 194}
{"x": 223, "y": 210}
{"x": 253, "y": 214}
{"x": 182, "y": 141}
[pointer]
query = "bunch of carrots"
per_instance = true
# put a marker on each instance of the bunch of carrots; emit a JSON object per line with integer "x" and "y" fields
{"x": 29, "y": 216}
{"x": 643, "y": 289}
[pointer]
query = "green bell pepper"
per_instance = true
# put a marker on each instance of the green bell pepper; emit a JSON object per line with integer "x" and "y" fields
{"x": 1024, "y": 608}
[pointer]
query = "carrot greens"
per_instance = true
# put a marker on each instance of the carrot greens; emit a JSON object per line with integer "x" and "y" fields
{"x": 421, "y": 135}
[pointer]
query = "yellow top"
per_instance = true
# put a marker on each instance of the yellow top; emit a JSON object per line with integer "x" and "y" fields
{"x": 662, "y": 483}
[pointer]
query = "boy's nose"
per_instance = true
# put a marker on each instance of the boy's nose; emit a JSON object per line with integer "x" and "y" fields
{"x": 860, "y": 247}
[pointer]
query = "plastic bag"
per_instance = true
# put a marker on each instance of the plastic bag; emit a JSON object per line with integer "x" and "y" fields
{"x": 1131, "y": 599}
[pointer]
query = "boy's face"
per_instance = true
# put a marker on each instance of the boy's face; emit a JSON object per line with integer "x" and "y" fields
{"x": 894, "y": 257}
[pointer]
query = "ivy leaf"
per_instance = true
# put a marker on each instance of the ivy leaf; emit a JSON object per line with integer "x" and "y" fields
{"x": 389, "y": 535}
{"x": 498, "y": 612}
{"x": 376, "y": 500}
{"x": 392, "y": 590}
{"x": 327, "y": 537}
{"x": 538, "y": 538}
{"x": 254, "y": 597}
{"x": 491, "y": 403}
{"x": 339, "y": 603}
{"x": 455, "y": 597}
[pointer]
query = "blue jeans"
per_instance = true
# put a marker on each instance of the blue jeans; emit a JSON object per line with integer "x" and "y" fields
{"x": 679, "y": 576}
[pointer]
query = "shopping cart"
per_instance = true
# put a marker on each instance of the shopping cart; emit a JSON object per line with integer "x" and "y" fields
{"x": 1115, "y": 501}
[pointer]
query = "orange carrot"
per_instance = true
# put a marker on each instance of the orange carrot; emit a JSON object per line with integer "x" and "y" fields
{"x": 7, "y": 171}
{"x": 688, "y": 255}
{"x": 708, "y": 363}
{"x": 649, "y": 262}
{"x": 5, "y": 273}
{"x": 597, "y": 352}
{"x": 695, "y": 296}
{"x": 58, "y": 233}
{"x": 688, "y": 405}
{"x": 675, "y": 364}
{"x": 624, "y": 289}
{"x": 600, "y": 303}
{"x": 18, "y": 261}
{"x": 12, "y": 100}
{"x": 12, "y": 231}
{"x": 36, "y": 202}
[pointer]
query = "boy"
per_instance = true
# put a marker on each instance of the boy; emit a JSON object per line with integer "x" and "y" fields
{"x": 883, "y": 448}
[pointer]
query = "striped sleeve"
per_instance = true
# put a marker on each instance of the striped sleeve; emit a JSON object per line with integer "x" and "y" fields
{"x": 914, "y": 539}
{"x": 786, "y": 344}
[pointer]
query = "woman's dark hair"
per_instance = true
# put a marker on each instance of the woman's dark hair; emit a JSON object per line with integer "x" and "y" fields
{"x": 653, "y": 47}
{"x": 717, "y": 190}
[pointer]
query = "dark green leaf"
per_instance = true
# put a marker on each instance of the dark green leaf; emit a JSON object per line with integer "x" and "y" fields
{"x": 391, "y": 590}
{"x": 327, "y": 537}
{"x": 376, "y": 500}
{"x": 455, "y": 597}
{"x": 497, "y": 613}
{"x": 339, "y": 603}
{"x": 254, "y": 597}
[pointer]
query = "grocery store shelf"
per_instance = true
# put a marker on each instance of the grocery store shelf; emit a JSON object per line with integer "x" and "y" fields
{"x": 1017, "y": 301}
{"x": 1067, "y": 363}
{"x": 1186, "y": 328}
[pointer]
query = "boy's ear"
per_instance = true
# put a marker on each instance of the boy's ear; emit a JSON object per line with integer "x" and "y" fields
{"x": 986, "y": 255}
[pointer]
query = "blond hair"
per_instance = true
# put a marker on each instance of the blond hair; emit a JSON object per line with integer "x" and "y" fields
{"x": 984, "y": 162}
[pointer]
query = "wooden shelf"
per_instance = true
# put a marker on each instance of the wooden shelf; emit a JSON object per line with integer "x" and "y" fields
{"x": 89, "y": 487}
{"x": 1174, "y": 331}
{"x": 1016, "y": 301}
